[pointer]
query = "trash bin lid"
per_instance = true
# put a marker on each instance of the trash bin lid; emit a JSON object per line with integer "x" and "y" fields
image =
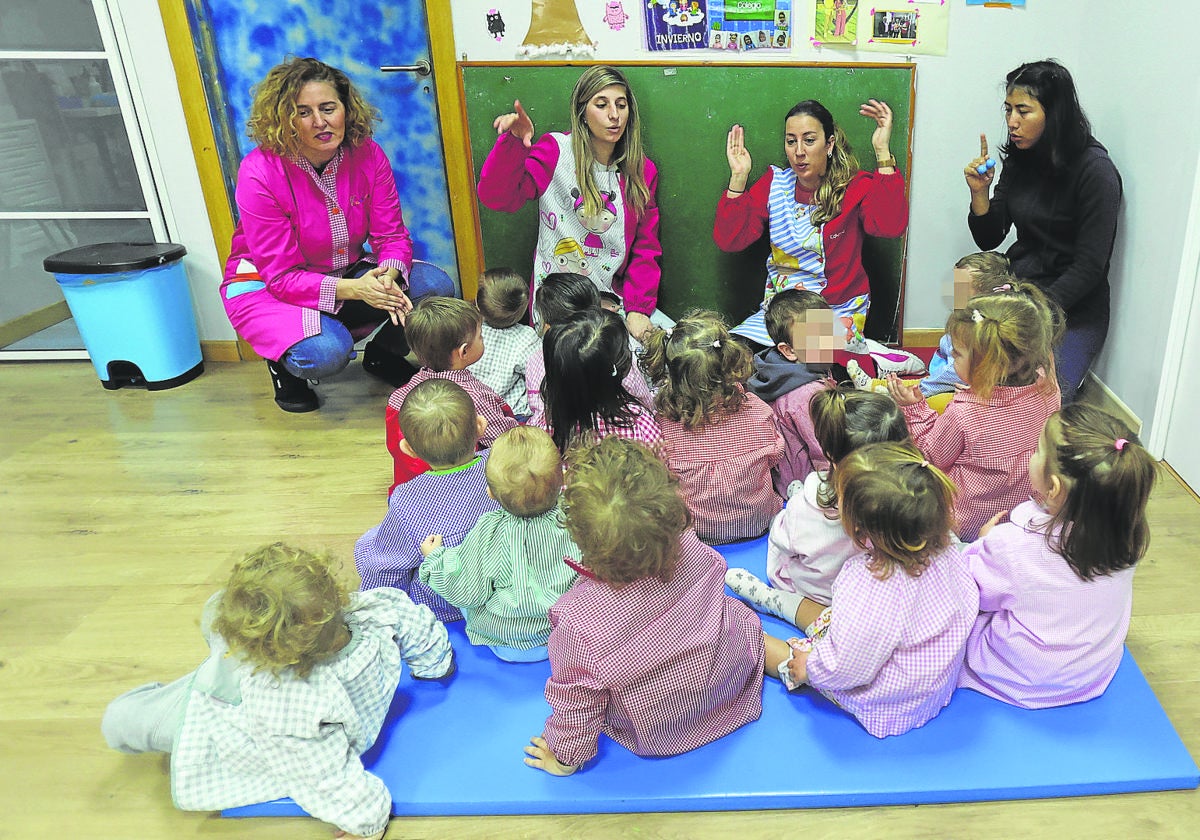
{"x": 113, "y": 257}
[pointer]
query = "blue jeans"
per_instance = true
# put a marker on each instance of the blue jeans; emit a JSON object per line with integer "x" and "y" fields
{"x": 329, "y": 351}
{"x": 1075, "y": 355}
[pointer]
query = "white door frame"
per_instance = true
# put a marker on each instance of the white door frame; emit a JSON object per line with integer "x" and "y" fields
{"x": 1184, "y": 312}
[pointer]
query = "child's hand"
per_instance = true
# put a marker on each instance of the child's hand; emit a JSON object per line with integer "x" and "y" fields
{"x": 451, "y": 670}
{"x": 992, "y": 523}
{"x": 903, "y": 393}
{"x": 378, "y": 835}
{"x": 541, "y": 757}
{"x": 430, "y": 544}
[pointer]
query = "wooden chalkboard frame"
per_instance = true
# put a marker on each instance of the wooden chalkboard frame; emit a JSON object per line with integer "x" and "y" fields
{"x": 686, "y": 111}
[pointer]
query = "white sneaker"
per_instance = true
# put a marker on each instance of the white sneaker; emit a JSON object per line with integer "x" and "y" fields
{"x": 890, "y": 360}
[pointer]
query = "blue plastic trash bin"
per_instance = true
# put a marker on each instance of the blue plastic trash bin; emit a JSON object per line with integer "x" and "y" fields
{"x": 133, "y": 308}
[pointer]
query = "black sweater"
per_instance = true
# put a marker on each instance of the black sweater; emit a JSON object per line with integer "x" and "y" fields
{"x": 1065, "y": 224}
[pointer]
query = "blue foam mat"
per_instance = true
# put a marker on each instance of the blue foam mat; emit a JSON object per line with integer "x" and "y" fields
{"x": 456, "y": 749}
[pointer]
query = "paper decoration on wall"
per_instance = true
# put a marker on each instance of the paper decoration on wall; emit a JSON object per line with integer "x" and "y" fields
{"x": 907, "y": 28}
{"x": 555, "y": 29}
{"x": 750, "y": 24}
{"x": 835, "y": 23}
{"x": 676, "y": 24}
{"x": 995, "y": 4}
{"x": 495, "y": 24}
{"x": 614, "y": 15}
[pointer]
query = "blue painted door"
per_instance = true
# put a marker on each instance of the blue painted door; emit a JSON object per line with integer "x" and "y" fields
{"x": 359, "y": 38}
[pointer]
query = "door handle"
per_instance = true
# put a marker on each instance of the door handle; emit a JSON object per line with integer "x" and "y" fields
{"x": 421, "y": 68}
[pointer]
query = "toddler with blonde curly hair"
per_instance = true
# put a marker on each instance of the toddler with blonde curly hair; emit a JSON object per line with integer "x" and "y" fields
{"x": 299, "y": 677}
{"x": 645, "y": 647}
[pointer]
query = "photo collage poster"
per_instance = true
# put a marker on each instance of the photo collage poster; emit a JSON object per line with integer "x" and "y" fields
{"x": 729, "y": 25}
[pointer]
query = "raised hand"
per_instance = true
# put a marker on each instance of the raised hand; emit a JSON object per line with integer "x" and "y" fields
{"x": 738, "y": 157}
{"x": 881, "y": 138}
{"x": 517, "y": 123}
{"x": 430, "y": 544}
{"x": 979, "y": 182}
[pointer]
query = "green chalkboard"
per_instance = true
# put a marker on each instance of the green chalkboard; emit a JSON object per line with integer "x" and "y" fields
{"x": 687, "y": 110}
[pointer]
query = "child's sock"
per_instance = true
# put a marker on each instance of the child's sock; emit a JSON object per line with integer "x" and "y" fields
{"x": 861, "y": 381}
{"x": 777, "y": 602}
{"x": 858, "y": 376}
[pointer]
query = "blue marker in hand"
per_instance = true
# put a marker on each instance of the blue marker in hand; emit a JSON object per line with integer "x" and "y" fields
{"x": 984, "y": 167}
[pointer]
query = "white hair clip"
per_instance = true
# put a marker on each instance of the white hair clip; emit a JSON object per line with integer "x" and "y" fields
{"x": 976, "y": 316}
{"x": 670, "y": 331}
{"x": 614, "y": 373}
{"x": 717, "y": 344}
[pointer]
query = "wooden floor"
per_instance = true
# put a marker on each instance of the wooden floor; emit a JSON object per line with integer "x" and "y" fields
{"x": 122, "y": 511}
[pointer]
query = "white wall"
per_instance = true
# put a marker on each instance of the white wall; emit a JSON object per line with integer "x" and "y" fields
{"x": 1137, "y": 82}
{"x": 148, "y": 64}
{"x": 1139, "y": 86}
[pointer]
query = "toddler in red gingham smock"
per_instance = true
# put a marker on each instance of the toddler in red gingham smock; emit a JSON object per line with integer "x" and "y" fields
{"x": 646, "y": 647}
{"x": 720, "y": 440}
{"x": 1002, "y": 348}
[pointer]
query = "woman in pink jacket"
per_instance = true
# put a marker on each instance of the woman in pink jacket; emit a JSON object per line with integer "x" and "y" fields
{"x": 595, "y": 192}
{"x": 299, "y": 285}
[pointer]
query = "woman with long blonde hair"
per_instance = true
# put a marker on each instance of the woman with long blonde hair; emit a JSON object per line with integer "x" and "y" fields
{"x": 595, "y": 189}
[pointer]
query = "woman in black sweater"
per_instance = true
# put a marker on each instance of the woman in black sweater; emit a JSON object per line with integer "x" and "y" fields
{"x": 1062, "y": 192}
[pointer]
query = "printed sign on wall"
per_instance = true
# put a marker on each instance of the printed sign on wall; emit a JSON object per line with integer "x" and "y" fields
{"x": 750, "y": 24}
{"x": 676, "y": 24}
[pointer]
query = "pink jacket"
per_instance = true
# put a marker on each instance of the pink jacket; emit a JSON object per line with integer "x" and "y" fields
{"x": 286, "y": 232}
{"x": 513, "y": 175}
{"x": 803, "y": 453}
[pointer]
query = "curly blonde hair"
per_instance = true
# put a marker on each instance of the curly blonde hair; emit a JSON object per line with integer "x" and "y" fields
{"x": 896, "y": 506}
{"x": 283, "y": 608}
{"x": 698, "y": 368}
{"x": 273, "y": 112}
{"x": 622, "y": 507}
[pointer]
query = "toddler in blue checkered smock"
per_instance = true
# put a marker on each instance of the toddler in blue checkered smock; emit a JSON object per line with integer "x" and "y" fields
{"x": 296, "y": 686}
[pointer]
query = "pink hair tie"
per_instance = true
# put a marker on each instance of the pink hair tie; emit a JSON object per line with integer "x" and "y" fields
{"x": 1007, "y": 287}
{"x": 1119, "y": 444}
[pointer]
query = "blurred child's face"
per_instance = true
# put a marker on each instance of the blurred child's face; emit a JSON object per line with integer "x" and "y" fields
{"x": 963, "y": 288}
{"x": 813, "y": 339}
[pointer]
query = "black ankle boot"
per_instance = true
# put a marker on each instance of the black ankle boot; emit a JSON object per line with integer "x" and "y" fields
{"x": 291, "y": 392}
{"x": 389, "y": 366}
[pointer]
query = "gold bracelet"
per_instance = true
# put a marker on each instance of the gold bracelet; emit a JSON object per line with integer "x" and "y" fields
{"x": 883, "y": 163}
